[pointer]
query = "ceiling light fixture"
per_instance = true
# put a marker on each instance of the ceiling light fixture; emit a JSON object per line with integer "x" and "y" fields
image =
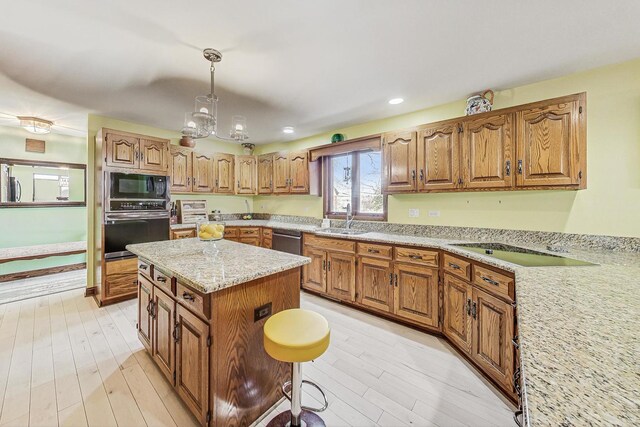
{"x": 396, "y": 101}
{"x": 288, "y": 129}
{"x": 35, "y": 125}
{"x": 203, "y": 121}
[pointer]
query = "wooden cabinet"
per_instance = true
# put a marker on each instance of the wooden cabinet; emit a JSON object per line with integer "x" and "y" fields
{"x": 299, "y": 172}
{"x": 183, "y": 233}
{"x": 192, "y": 362}
{"x": 341, "y": 275}
{"x": 487, "y": 147}
{"x": 163, "y": 351}
{"x": 281, "y": 172}
{"x": 416, "y": 294}
{"x": 180, "y": 168}
{"x": 456, "y": 325}
{"x": 224, "y": 173}
{"x": 267, "y": 238}
{"x": 551, "y": 144}
{"x": 202, "y": 181}
{"x": 145, "y": 289}
{"x": 122, "y": 151}
{"x": 232, "y": 233}
{"x": 439, "y": 157}
{"x": 246, "y": 175}
{"x": 399, "y": 162}
{"x": 375, "y": 284}
{"x": 292, "y": 174}
{"x": 314, "y": 274}
{"x": 119, "y": 281}
{"x": 492, "y": 349}
{"x": 265, "y": 174}
{"x": 154, "y": 155}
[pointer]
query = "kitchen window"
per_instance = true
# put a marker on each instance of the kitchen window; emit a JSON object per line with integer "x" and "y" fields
{"x": 355, "y": 178}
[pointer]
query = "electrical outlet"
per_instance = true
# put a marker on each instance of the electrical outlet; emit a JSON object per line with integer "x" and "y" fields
{"x": 434, "y": 213}
{"x": 414, "y": 213}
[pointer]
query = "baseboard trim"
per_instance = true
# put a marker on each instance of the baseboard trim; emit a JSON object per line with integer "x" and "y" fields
{"x": 41, "y": 272}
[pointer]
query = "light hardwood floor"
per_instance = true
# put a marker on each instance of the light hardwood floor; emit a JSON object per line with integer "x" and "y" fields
{"x": 66, "y": 362}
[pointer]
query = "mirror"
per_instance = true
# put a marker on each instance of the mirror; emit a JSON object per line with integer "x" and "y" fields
{"x": 28, "y": 183}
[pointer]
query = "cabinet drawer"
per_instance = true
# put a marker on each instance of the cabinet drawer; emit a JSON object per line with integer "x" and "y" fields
{"x": 457, "y": 267}
{"x": 249, "y": 231}
{"x": 375, "y": 250}
{"x": 253, "y": 241}
{"x": 196, "y": 302}
{"x": 267, "y": 232}
{"x": 231, "y": 232}
{"x": 163, "y": 281}
{"x": 121, "y": 278}
{"x": 144, "y": 268}
{"x": 329, "y": 244}
{"x": 494, "y": 282}
{"x": 417, "y": 256}
{"x": 185, "y": 233}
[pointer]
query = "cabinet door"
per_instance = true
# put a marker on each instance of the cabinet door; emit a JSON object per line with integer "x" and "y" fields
{"x": 192, "y": 362}
{"x": 224, "y": 173}
{"x": 457, "y": 312}
{"x": 153, "y": 155}
{"x": 399, "y": 162}
{"x": 122, "y": 151}
{"x": 416, "y": 294}
{"x": 314, "y": 275}
{"x": 265, "y": 174}
{"x": 438, "y": 157}
{"x": 202, "y": 173}
{"x": 180, "y": 168}
{"x": 163, "y": 341}
{"x": 492, "y": 334}
{"x": 120, "y": 279}
{"x": 246, "y": 175}
{"x": 375, "y": 284}
{"x": 281, "y": 170}
{"x": 183, "y": 234}
{"x": 486, "y": 152}
{"x": 144, "y": 314}
{"x": 341, "y": 275}
{"x": 549, "y": 144}
{"x": 299, "y": 172}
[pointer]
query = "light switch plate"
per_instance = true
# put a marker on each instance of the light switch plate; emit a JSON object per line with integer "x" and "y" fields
{"x": 434, "y": 213}
{"x": 414, "y": 213}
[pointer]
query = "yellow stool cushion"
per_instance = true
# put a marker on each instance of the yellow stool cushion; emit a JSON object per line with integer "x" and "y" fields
{"x": 296, "y": 335}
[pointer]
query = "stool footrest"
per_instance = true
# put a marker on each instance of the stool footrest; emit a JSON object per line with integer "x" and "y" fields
{"x": 286, "y": 389}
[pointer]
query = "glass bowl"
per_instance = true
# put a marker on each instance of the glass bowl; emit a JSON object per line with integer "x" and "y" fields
{"x": 210, "y": 230}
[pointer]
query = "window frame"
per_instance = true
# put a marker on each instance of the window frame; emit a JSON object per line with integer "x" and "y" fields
{"x": 355, "y": 189}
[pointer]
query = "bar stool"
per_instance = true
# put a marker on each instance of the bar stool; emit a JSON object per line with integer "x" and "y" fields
{"x": 295, "y": 336}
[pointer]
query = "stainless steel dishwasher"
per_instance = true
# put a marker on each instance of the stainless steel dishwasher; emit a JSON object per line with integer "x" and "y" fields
{"x": 289, "y": 241}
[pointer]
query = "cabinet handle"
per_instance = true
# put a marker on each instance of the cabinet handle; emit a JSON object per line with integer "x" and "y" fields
{"x": 161, "y": 279}
{"x": 415, "y": 256}
{"x": 460, "y": 181}
{"x": 176, "y": 332}
{"x": 516, "y": 417}
{"x": 454, "y": 266}
{"x": 329, "y": 265}
{"x": 516, "y": 382}
{"x": 324, "y": 265}
{"x": 188, "y": 297}
{"x": 149, "y": 308}
{"x": 396, "y": 280}
{"x": 468, "y": 307}
{"x": 142, "y": 156}
{"x": 271, "y": 184}
{"x": 486, "y": 279}
{"x": 136, "y": 155}
{"x": 422, "y": 175}
{"x": 135, "y": 282}
{"x": 216, "y": 182}
{"x": 413, "y": 175}
{"x": 514, "y": 341}
{"x": 519, "y": 167}
{"x": 373, "y": 251}
{"x": 143, "y": 266}
{"x": 508, "y": 168}
{"x": 238, "y": 183}
{"x": 474, "y": 310}
{"x": 390, "y": 279}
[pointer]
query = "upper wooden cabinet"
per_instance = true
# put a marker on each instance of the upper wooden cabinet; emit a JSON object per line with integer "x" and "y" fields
{"x": 154, "y": 155}
{"x": 399, "y": 162}
{"x": 180, "y": 168}
{"x": 281, "y": 172}
{"x": 551, "y": 144}
{"x": 265, "y": 174}
{"x": 224, "y": 173}
{"x": 202, "y": 173}
{"x": 246, "y": 175}
{"x": 292, "y": 173}
{"x": 122, "y": 151}
{"x": 299, "y": 172}
{"x": 131, "y": 151}
{"x": 438, "y": 157}
{"x": 486, "y": 152}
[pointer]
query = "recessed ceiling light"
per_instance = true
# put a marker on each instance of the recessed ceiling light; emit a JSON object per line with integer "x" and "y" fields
{"x": 287, "y": 129}
{"x": 396, "y": 101}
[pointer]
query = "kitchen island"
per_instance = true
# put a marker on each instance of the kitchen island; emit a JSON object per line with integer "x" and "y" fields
{"x": 201, "y": 309}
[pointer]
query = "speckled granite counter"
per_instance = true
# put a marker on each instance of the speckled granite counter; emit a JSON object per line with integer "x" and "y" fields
{"x": 233, "y": 264}
{"x": 258, "y": 223}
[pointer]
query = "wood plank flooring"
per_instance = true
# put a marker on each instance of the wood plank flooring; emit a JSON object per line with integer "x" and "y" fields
{"x": 66, "y": 362}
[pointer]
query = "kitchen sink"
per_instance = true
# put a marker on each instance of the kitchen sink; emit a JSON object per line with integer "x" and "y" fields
{"x": 337, "y": 230}
{"x": 521, "y": 256}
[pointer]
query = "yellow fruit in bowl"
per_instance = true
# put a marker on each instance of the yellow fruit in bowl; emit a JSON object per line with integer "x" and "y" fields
{"x": 209, "y": 228}
{"x": 204, "y": 235}
{"x": 216, "y": 234}
{"x": 220, "y": 228}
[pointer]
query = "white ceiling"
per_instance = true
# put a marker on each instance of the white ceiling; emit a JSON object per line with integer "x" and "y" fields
{"x": 314, "y": 65}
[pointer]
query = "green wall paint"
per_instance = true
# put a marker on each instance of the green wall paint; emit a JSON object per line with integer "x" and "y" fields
{"x": 609, "y": 206}
{"x": 36, "y": 226}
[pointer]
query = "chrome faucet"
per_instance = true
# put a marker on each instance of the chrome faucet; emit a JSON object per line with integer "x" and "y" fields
{"x": 349, "y": 220}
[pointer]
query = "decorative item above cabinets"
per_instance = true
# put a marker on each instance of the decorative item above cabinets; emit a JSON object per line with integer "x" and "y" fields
{"x": 533, "y": 146}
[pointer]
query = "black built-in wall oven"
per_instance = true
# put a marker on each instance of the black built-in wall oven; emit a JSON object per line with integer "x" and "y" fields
{"x": 136, "y": 211}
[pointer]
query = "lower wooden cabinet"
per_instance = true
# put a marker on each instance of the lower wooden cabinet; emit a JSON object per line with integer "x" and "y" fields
{"x": 192, "y": 362}
{"x": 163, "y": 352}
{"x": 119, "y": 281}
{"x": 314, "y": 274}
{"x": 416, "y": 294}
{"x": 456, "y": 324}
{"x": 341, "y": 275}
{"x": 183, "y": 233}
{"x": 375, "y": 284}
{"x": 145, "y": 319}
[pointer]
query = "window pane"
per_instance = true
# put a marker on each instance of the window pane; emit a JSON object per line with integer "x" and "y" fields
{"x": 370, "y": 174}
{"x": 340, "y": 183}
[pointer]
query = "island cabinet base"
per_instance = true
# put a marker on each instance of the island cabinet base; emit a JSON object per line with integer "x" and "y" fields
{"x": 210, "y": 346}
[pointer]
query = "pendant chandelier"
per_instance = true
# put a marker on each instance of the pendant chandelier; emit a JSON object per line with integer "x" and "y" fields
{"x": 203, "y": 120}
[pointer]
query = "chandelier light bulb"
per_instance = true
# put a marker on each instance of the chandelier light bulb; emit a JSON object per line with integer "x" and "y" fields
{"x": 204, "y": 110}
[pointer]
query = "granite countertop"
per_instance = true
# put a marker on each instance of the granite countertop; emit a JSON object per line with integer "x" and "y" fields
{"x": 196, "y": 263}
{"x": 258, "y": 223}
{"x": 578, "y": 332}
